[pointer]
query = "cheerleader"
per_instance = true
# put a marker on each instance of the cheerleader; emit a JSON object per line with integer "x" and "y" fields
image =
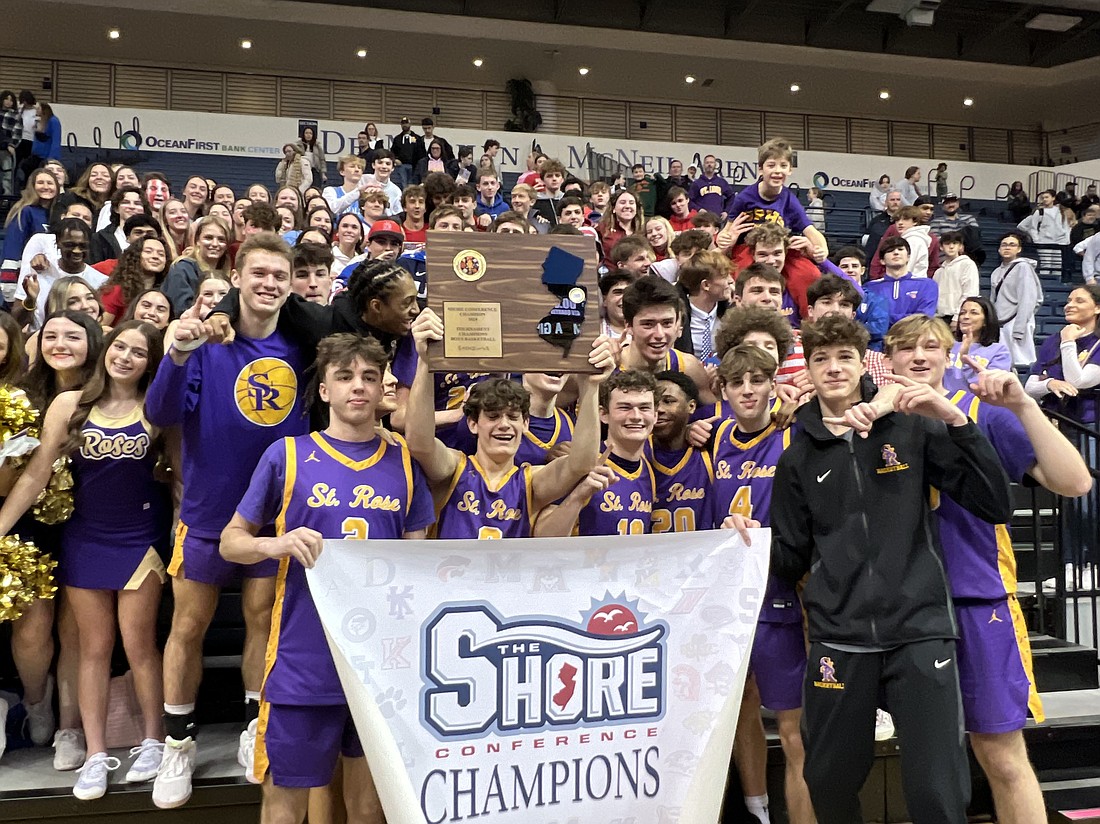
{"x": 71, "y": 343}
{"x": 111, "y": 547}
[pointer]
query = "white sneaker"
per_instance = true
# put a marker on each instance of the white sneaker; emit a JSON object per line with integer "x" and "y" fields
{"x": 3, "y": 726}
{"x": 884, "y": 725}
{"x": 172, "y": 786}
{"x": 147, "y": 763}
{"x": 40, "y": 718}
{"x": 246, "y": 752}
{"x": 91, "y": 782}
{"x": 69, "y": 749}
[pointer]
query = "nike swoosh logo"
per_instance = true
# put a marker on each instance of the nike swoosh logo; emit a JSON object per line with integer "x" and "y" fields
{"x": 820, "y": 478}
{"x": 942, "y": 664}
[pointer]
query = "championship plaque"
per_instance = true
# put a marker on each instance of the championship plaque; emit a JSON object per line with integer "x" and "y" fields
{"x": 513, "y": 303}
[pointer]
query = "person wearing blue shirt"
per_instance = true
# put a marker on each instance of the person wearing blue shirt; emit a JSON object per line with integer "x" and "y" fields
{"x": 872, "y": 311}
{"x": 490, "y": 203}
{"x": 904, "y": 294}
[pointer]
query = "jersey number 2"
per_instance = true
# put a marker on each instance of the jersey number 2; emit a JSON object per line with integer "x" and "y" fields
{"x": 355, "y": 529}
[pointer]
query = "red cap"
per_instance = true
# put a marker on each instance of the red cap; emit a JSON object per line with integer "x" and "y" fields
{"x": 386, "y": 227}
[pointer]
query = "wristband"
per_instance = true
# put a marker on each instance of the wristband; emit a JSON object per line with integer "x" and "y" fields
{"x": 33, "y": 304}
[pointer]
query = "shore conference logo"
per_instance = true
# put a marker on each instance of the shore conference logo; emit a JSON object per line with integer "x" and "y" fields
{"x": 485, "y": 674}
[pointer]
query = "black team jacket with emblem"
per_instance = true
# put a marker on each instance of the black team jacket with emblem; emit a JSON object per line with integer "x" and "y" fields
{"x": 856, "y": 515}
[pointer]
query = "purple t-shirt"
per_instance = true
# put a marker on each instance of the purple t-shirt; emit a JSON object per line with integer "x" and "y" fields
{"x": 977, "y": 556}
{"x": 959, "y": 376}
{"x": 784, "y": 210}
{"x": 231, "y": 403}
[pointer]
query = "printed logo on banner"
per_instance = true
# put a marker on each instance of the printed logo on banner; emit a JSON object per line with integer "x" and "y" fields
{"x": 486, "y": 674}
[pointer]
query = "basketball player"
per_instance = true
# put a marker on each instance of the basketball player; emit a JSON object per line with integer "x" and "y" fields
{"x": 651, "y": 309}
{"x": 683, "y": 473}
{"x": 616, "y": 497}
{"x": 998, "y": 686}
{"x": 745, "y": 453}
{"x": 853, "y": 512}
{"x": 549, "y": 431}
{"x": 312, "y": 488}
{"x": 231, "y": 402}
{"x": 486, "y": 495}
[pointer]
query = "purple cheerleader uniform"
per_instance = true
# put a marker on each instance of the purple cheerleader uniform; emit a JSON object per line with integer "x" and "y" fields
{"x": 121, "y": 515}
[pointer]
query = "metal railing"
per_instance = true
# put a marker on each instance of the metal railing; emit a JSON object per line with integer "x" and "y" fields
{"x": 1043, "y": 179}
{"x": 1065, "y": 540}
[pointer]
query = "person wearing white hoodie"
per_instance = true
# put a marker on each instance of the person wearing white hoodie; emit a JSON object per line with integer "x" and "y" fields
{"x": 1089, "y": 250}
{"x": 1016, "y": 294}
{"x": 1048, "y": 226}
{"x": 957, "y": 278}
{"x": 918, "y": 237}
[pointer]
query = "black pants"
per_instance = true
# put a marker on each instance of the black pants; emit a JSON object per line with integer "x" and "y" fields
{"x": 22, "y": 153}
{"x": 921, "y": 685}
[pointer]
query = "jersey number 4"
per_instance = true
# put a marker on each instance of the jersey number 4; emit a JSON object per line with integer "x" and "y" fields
{"x": 742, "y": 502}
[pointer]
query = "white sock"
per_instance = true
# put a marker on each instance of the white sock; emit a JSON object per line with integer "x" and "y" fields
{"x": 758, "y": 806}
{"x": 179, "y": 709}
{"x": 252, "y": 695}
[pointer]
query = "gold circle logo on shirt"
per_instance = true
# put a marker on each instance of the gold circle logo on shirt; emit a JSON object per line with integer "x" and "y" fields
{"x": 265, "y": 391}
{"x": 469, "y": 264}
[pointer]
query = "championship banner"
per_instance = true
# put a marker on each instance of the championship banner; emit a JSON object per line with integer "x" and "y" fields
{"x": 548, "y": 681}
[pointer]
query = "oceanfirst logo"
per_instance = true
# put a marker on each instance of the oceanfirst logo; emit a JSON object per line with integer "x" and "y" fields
{"x": 484, "y": 674}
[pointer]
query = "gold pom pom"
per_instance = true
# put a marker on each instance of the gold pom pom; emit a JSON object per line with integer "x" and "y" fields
{"x": 16, "y": 412}
{"x": 55, "y": 503}
{"x": 25, "y": 574}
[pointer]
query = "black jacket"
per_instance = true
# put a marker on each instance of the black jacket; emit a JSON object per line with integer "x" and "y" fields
{"x": 104, "y": 245}
{"x": 684, "y": 343}
{"x": 307, "y": 323}
{"x": 856, "y": 516}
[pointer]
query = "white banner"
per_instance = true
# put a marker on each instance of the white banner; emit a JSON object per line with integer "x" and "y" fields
{"x": 204, "y": 133}
{"x": 542, "y": 680}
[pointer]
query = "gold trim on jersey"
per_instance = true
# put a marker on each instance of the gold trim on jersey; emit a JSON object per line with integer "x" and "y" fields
{"x": 96, "y": 417}
{"x": 343, "y": 459}
{"x": 489, "y": 484}
{"x": 734, "y": 441}
{"x": 559, "y": 416}
{"x": 176, "y": 563}
{"x": 1023, "y": 644}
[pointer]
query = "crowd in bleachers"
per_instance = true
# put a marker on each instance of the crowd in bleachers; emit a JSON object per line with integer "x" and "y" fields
{"x": 103, "y": 275}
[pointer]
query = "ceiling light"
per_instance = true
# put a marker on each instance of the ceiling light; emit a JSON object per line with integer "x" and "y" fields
{"x": 884, "y": 94}
{"x": 968, "y": 101}
{"x": 246, "y": 44}
{"x": 583, "y": 70}
{"x": 361, "y": 53}
{"x": 795, "y": 88}
{"x": 478, "y": 61}
{"x": 114, "y": 34}
{"x": 1052, "y": 22}
{"x": 689, "y": 79}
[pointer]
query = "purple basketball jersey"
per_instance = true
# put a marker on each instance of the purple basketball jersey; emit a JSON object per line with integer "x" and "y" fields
{"x": 685, "y": 480}
{"x": 625, "y": 507}
{"x": 357, "y": 491}
{"x": 743, "y": 472}
{"x": 477, "y": 509}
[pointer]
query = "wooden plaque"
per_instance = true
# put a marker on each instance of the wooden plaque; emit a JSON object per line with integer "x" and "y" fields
{"x": 513, "y": 303}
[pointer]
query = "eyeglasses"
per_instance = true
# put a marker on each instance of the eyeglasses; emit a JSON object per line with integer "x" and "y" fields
{"x": 1011, "y": 244}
